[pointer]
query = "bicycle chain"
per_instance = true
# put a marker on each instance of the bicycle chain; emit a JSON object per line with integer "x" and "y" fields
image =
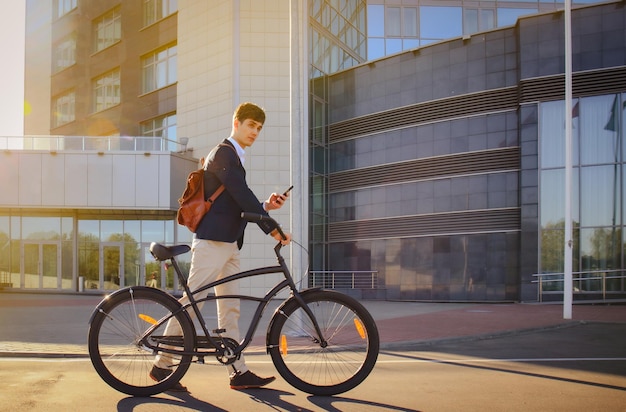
{"x": 227, "y": 355}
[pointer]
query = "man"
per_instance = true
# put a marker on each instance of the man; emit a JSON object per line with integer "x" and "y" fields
{"x": 152, "y": 282}
{"x": 219, "y": 236}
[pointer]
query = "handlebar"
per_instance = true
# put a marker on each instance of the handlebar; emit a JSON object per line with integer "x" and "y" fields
{"x": 257, "y": 217}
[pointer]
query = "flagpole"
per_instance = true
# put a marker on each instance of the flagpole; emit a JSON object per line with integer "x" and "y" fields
{"x": 568, "y": 284}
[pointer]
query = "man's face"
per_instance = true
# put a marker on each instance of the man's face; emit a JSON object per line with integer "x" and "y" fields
{"x": 246, "y": 133}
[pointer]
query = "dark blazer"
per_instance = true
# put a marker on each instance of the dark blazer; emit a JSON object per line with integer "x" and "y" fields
{"x": 224, "y": 222}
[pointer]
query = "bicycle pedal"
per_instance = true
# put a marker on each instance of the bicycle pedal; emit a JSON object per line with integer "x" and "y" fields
{"x": 200, "y": 360}
{"x": 218, "y": 331}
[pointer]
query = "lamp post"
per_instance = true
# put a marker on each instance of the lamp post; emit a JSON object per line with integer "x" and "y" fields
{"x": 568, "y": 283}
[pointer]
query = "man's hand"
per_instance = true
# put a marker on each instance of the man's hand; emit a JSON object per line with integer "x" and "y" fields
{"x": 276, "y": 235}
{"x": 275, "y": 201}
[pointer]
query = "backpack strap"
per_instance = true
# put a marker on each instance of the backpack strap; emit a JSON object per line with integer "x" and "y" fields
{"x": 220, "y": 189}
{"x": 216, "y": 194}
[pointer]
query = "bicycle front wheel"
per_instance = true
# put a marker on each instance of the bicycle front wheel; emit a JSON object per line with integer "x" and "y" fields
{"x": 117, "y": 353}
{"x": 340, "y": 362}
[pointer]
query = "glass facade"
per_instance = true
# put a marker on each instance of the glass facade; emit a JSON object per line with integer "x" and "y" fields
{"x": 597, "y": 200}
{"x": 394, "y": 26}
{"x": 338, "y": 41}
{"x": 445, "y": 176}
{"x": 38, "y": 252}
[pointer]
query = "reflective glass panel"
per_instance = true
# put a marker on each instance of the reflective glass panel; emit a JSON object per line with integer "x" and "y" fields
{"x": 599, "y": 117}
{"x": 41, "y": 228}
{"x": 152, "y": 231}
{"x": 508, "y": 17}
{"x": 599, "y": 196}
{"x": 441, "y": 22}
{"x": 89, "y": 229}
{"x": 392, "y": 21}
{"x": 552, "y": 133}
{"x": 112, "y": 230}
{"x": 376, "y": 20}
{"x": 552, "y": 202}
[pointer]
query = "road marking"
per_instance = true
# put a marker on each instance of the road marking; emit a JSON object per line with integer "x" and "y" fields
{"x": 481, "y": 360}
{"x": 379, "y": 361}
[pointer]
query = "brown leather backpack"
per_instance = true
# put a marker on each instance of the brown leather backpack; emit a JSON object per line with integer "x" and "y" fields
{"x": 193, "y": 207}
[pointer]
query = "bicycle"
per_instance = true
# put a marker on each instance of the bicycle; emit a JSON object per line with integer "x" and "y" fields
{"x": 321, "y": 342}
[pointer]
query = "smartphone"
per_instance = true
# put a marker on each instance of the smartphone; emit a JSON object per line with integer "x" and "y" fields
{"x": 288, "y": 190}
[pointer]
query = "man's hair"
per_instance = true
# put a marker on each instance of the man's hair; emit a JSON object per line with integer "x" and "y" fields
{"x": 249, "y": 111}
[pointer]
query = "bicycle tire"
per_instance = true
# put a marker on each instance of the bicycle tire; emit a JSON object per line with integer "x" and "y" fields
{"x": 352, "y": 343}
{"x": 115, "y": 328}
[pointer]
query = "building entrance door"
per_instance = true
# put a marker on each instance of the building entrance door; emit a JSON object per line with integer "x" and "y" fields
{"x": 41, "y": 265}
{"x": 111, "y": 265}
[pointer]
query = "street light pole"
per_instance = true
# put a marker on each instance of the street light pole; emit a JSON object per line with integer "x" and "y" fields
{"x": 568, "y": 284}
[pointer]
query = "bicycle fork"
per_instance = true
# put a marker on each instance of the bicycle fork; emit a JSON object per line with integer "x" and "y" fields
{"x": 320, "y": 337}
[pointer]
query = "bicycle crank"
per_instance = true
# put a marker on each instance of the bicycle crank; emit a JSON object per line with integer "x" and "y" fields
{"x": 225, "y": 353}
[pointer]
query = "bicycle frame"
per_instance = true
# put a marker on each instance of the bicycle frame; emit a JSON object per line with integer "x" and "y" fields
{"x": 262, "y": 304}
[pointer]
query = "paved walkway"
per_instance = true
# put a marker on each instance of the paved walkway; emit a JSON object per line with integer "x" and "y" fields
{"x": 56, "y": 325}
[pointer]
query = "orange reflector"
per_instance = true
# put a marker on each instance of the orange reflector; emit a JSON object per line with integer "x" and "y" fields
{"x": 283, "y": 345}
{"x": 147, "y": 318}
{"x": 359, "y": 328}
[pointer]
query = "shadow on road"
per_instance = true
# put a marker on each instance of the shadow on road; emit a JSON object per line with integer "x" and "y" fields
{"x": 273, "y": 399}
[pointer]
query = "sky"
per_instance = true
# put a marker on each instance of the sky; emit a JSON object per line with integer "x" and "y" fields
{"x": 12, "y": 28}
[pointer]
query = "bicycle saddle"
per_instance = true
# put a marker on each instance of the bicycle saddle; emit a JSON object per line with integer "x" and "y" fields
{"x": 161, "y": 252}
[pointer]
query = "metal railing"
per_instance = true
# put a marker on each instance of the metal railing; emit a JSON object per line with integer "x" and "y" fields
{"x": 345, "y": 279}
{"x": 93, "y": 143}
{"x": 601, "y": 282}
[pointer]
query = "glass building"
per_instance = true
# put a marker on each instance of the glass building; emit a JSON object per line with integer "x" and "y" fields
{"x": 443, "y": 169}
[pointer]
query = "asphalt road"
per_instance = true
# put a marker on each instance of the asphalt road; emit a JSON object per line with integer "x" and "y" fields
{"x": 574, "y": 368}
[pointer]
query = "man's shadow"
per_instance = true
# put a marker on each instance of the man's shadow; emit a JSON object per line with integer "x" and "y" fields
{"x": 186, "y": 401}
{"x": 275, "y": 399}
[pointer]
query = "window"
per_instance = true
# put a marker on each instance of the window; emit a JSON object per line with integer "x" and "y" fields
{"x": 475, "y": 20}
{"x": 392, "y": 21}
{"x": 65, "y": 53}
{"x": 508, "y": 17}
{"x": 597, "y": 188}
{"x": 409, "y": 22}
{"x": 106, "y": 91}
{"x": 64, "y": 109}
{"x": 159, "y": 69}
{"x": 107, "y": 29}
{"x": 155, "y": 10}
{"x": 391, "y": 30}
{"x": 158, "y": 130}
{"x": 64, "y": 6}
{"x": 375, "y": 20}
{"x": 438, "y": 23}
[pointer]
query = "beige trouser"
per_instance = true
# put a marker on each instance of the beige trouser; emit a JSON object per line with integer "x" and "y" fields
{"x": 212, "y": 260}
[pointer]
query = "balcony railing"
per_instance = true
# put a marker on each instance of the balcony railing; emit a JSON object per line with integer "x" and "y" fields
{"x": 339, "y": 279}
{"x": 602, "y": 283}
{"x": 93, "y": 143}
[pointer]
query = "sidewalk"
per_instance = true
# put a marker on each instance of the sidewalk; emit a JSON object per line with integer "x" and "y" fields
{"x": 37, "y": 325}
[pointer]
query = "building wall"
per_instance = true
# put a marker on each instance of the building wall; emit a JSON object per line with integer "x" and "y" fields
{"x": 43, "y": 85}
{"x": 96, "y": 180}
{"x": 37, "y": 65}
{"x": 242, "y": 56}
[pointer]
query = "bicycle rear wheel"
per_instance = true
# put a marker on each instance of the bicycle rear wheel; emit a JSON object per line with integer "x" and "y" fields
{"x": 117, "y": 325}
{"x": 338, "y": 365}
